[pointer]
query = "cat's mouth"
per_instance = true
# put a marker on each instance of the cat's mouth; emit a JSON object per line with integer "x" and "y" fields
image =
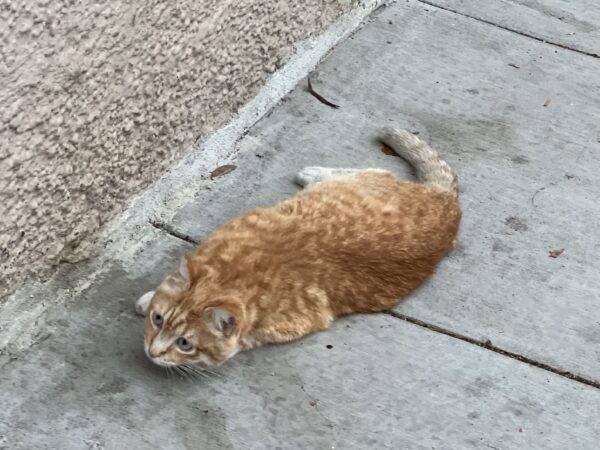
{"x": 162, "y": 362}
{"x": 157, "y": 359}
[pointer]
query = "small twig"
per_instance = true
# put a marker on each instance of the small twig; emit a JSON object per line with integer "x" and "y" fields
{"x": 320, "y": 97}
{"x": 173, "y": 232}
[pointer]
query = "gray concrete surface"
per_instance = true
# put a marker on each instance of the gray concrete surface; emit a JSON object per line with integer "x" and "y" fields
{"x": 384, "y": 384}
{"x": 527, "y": 172}
{"x": 98, "y": 99}
{"x": 573, "y": 24}
{"x": 72, "y": 370}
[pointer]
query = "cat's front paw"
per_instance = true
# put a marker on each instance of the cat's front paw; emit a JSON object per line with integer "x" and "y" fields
{"x": 141, "y": 305}
{"x": 309, "y": 176}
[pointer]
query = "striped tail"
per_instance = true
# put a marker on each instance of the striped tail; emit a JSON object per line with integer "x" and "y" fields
{"x": 430, "y": 168}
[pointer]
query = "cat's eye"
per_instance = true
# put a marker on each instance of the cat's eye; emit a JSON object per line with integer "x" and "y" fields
{"x": 157, "y": 319}
{"x": 183, "y": 344}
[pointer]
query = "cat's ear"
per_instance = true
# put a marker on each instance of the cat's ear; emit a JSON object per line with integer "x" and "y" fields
{"x": 183, "y": 272}
{"x": 191, "y": 270}
{"x": 223, "y": 320}
{"x": 180, "y": 280}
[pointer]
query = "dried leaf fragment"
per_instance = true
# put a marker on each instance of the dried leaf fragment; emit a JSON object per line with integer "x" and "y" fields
{"x": 547, "y": 102}
{"x": 389, "y": 151}
{"x": 556, "y": 253}
{"x": 222, "y": 170}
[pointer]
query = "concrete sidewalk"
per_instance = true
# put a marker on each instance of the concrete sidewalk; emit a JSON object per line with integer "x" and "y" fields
{"x": 500, "y": 349}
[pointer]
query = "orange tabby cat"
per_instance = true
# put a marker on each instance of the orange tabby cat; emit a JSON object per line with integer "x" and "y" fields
{"x": 354, "y": 241}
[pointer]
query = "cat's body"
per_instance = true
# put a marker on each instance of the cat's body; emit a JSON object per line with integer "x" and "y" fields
{"x": 354, "y": 241}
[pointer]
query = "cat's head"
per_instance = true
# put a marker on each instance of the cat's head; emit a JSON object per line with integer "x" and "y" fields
{"x": 187, "y": 325}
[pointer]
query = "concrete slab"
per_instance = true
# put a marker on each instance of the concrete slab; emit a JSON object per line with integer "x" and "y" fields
{"x": 573, "y": 24}
{"x": 384, "y": 384}
{"x": 524, "y": 141}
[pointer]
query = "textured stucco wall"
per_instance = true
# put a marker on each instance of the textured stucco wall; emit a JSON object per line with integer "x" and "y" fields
{"x": 98, "y": 98}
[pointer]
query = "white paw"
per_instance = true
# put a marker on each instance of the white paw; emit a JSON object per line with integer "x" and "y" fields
{"x": 310, "y": 175}
{"x": 141, "y": 305}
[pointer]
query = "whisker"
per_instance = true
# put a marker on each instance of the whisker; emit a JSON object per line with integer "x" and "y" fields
{"x": 202, "y": 371}
{"x": 178, "y": 371}
{"x": 190, "y": 369}
{"x": 208, "y": 372}
{"x": 193, "y": 375}
{"x": 196, "y": 370}
{"x": 216, "y": 374}
{"x": 183, "y": 373}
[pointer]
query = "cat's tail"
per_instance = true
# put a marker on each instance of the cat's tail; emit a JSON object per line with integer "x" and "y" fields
{"x": 430, "y": 168}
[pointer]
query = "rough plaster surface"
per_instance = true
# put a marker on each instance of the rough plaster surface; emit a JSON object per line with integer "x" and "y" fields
{"x": 98, "y": 99}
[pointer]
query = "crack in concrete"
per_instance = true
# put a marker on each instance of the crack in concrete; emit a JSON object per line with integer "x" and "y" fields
{"x": 173, "y": 232}
{"x": 487, "y": 344}
{"x": 313, "y": 401}
{"x": 512, "y": 30}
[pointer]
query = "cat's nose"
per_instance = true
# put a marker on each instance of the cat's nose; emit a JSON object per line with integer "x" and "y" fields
{"x": 152, "y": 352}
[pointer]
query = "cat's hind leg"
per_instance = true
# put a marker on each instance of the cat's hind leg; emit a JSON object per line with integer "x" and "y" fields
{"x": 310, "y": 176}
{"x": 141, "y": 305}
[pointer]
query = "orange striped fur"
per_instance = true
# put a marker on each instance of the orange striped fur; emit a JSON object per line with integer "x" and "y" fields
{"x": 354, "y": 241}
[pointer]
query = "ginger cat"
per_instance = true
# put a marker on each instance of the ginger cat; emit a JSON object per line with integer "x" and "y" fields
{"x": 354, "y": 241}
